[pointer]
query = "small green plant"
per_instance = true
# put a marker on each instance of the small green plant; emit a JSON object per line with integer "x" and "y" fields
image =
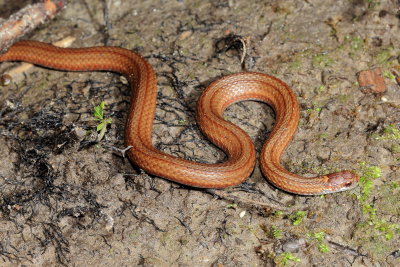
{"x": 323, "y": 136}
{"x": 389, "y": 75}
{"x": 323, "y": 248}
{"x": 98, "y": 115}
{"x": 373, "y": 3}
{"x": 182, "y": 122}
{"x": 278, "y": 214}
{"x": 295, "y": 65}
{"x": 322, "y": 60}
{"x": 373, "y": 232}
{"x": 395, "y": 148}
{"x": 314, "y": 110}
{"x": 321, "y": 89}
{"x": 357, "y": 43}
{"x": 284, "y": 258}
{"x": 391, "y": 133}
{"x": 297, "y": 217}
{"x": 319, "y": 239}
{"x": 383, "y": 57}
{"x": 231, "y": 206}
{"x": 369, "y": 174}
{"x": 384, "y": 228}
{"x": 275, "y": 232}
{"x": 394, "y": 185}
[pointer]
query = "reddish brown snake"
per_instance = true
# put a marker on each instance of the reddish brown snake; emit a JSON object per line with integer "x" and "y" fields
{"x": 212, "y": 103}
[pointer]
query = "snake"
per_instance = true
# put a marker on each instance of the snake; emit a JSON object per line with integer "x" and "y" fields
{"x": 223, "y": 92}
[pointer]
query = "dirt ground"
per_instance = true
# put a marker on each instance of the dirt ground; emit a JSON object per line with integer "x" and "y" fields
{"x": 67, "y": 200}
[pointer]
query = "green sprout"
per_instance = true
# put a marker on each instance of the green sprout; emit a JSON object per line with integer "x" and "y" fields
{"x": 295, "y": 65}
{"x": 373, "y": 3}
{"x": 182, "y": 122}
{"x": 383, "y": 57}
{"x": 322, "y": 60}
{"x": 389, "y": 75}
{"x": 390, "y": 133}
{"x": 231, "y": 206}
{"x": 369, "y": 174}
{"x": 395, "y": 148}
{"x": 101, "y": 127}
{"x": 284, "y": 258}
{"x": 318, "y": 238}
{"x": 357, "y": 43}
{"x": 322, "y": 247}
{"x": 275, "y": 232}
{"x": 321, "y": 89}
{"x": 278, "y": 214}
{"x": 297, "y": 217}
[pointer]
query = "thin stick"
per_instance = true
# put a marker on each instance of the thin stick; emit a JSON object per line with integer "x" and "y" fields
{"x": 26, "y": 20}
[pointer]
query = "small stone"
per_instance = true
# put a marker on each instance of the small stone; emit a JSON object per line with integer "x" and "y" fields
{"x": 293, "y": 245}
{"x": 371, "y": 81}
{"x": 242, "y": 213}
{"x": 80, "y": 133}
{"x": 5, "y": 79}
{"x": 184, "y": 35}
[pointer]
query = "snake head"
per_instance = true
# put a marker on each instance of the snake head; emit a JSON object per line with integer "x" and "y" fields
{"x": 341, "y": 181}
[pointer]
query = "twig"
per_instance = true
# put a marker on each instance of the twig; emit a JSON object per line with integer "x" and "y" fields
{"x": 26, "y": 20}
{"x": 347, "y": 249}
{"x": 249, "y": 202}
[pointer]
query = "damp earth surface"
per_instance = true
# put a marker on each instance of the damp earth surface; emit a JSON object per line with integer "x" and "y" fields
{"x": 69, "y": 200}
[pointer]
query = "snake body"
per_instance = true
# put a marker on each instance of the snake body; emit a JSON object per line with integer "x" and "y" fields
{"x": 215, "y": 99}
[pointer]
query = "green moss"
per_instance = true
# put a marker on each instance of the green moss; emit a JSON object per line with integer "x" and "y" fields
{"x": 394, "y": 185}
{"x": 182, "y": 122}
{"x": 297, "y": 217}
{"x": 295, "y": 65}
{"x": 285, "y": 258}
{"x": 392, "y": 132}
{"x": 324, "y": 248}
{"x": 277, "y": 214}
{"x": 272, "y": 232}
{"x": 389, "y": 75}
{"x": 231, "y": 206}
{"x": 316, "y": 108}
{"x": 323, "y": 135}
{"x": 395, "y": 148}
{"x": 318, "y": 238}
{"x": 383, "y": 56}
{"x": 275, "y": 232}
{"x": 166, "y": 239}
{"x": 389, "y": 133}
{"x": 322, "y": 60}
{"x": 343, "y": 98}
{"x": 373, "y": 3}
{"x": 373, "y": 232}
{"x": 369, "y": 174}
{"x": 320, "y": 89}
{"x": 357, "y": 43}
{"x": 134, "y": 235}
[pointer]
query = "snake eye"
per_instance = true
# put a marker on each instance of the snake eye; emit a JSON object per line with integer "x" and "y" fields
{"x": 348, "y": 184}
